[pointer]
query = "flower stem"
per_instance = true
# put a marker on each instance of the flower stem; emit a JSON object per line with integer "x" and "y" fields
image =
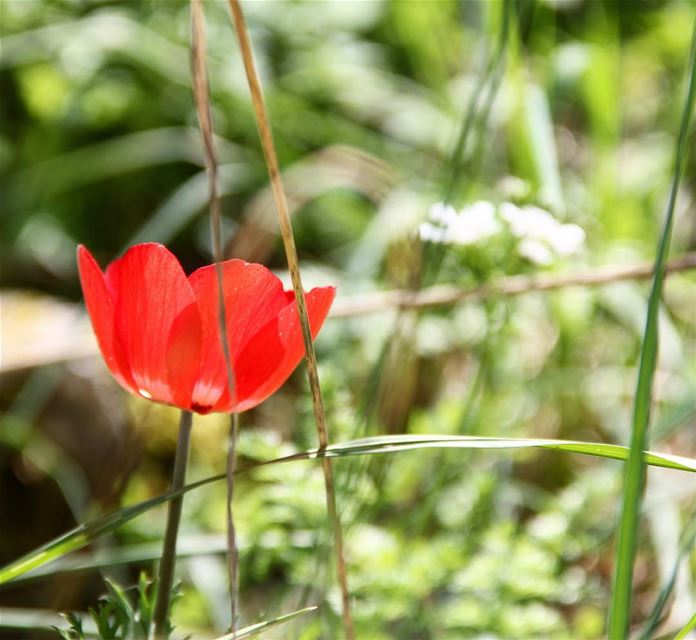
{"x": 166, "y": 568}
{"x": 232, "y": 550}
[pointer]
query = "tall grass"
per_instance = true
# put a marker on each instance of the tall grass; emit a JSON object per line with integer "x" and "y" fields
{"x": 620, "y": 611}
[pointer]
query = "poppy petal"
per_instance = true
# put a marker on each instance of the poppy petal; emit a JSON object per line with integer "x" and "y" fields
{"x": 100, "y": 307}
{"x": 271, "y": 355}
{"x": 253, "y": 296}
{"x": 183, "y": 356}
{"x": 155, "y": 313}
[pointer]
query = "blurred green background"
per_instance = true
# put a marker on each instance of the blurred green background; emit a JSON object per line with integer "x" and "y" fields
{"x": 380, "y": 110}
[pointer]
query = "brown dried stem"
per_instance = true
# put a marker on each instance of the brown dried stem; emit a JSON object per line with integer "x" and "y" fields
{"x": 512, "y": 286}
{"x": 201, "y": 94}
{"x": 293, "y": 265}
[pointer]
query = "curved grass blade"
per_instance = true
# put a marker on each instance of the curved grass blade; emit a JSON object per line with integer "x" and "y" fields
{"x": 254, "y": 629}
{"x": 690, "y": 626}
{"x": 27, "y": 620}
{"x": 83, "y": 535}
{"x": 687, "y": 543}
{"x": 620, "y": 609}
{"x": 483, "y": 94}
{"x": 142, "y": 553}
{"x": 390, "y": 444}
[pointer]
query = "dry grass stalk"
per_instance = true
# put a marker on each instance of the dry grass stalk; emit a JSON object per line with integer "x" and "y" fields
{"x": 293, "y": 265}
{"x": 201, "y": 93}
{"x": 512, "y": 286}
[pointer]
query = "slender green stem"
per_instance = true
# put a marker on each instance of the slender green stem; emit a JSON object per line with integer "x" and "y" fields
{"x": 486, "y": 87}
{"x": 232, "y": 549}
{"x": 620, "y": 610}
{"x": 166, "y": 568}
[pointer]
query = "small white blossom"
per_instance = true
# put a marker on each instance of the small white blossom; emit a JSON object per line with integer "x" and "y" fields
{"x": 535, "y": 251}
{"x": 540, "y": 236}
{"x": 443, "y": 213}
{"x": 568, "y": 239}
{"x": 431, "y": 233}
{"x": 533, "y": 223}
{"x": 529, "y": 221}
{"x": 474, "y": 223}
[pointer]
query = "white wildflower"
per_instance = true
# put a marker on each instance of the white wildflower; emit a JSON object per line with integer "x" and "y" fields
{"x": 431, "y": 233}
{"x": 534, "y": 224}
{"x": 568, "y": 239}
{"x": 528, "y": 222}
{"x": 474, "y": 223}
{"x": 443, "y": 213}
{"x": 535, "y": 251}
{"x": 540, "y": 236}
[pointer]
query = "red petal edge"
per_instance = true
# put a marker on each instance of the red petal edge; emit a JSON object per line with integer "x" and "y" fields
{"x": 100, "y": 307}
{"x": 272, "y": 354}
{"x": 157, "y": 322}
{"x": 253, "y": 296}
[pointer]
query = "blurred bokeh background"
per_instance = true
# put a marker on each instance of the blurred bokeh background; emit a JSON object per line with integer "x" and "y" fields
{"x": 380, "y": 111}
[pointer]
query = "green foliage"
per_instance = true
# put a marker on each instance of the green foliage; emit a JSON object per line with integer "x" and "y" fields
{"x": 620, "y": 613}
{"x": 118, "y": 617}
{"x": 379, "y": 110}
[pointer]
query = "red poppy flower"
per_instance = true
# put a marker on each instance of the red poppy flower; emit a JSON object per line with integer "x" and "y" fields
{"x": 159, "y": 334}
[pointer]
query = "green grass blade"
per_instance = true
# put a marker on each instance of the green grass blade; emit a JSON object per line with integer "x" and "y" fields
{"x": 687, "y": 542}
{"x": 543, "y": 151}
{"x": 690, "y": 626}
{"x": 392, "y": 444}
{"x": 620, "y": 610}
{"x": 483, "y": 94}
{"x": 24, "y": 619}
{"x": 187, "y": 547}
{"x": 83, "y": 535}
{"x": 254, "y": 629}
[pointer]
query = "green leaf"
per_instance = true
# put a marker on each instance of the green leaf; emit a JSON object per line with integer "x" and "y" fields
{"x": 123, "y": 609}
{"x": 84, "y": 534}
{"x": 620, "y": 610}
{"x": 145, "y": 604}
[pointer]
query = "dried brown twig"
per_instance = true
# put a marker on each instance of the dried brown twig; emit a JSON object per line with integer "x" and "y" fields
{"x": 39, "y": 347}
{"x": 293, "y": 265}
{"x": 512, "y": 286}
{"x": 201, "y": 93}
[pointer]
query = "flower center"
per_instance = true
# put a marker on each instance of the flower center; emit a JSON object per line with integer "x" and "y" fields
{"x": 202, "y": 409}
